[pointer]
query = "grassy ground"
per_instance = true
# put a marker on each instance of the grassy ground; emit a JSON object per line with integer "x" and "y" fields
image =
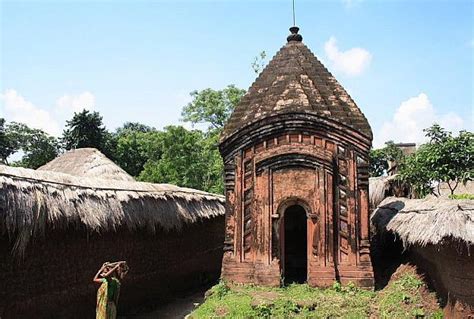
{"x": 404, "y": 297}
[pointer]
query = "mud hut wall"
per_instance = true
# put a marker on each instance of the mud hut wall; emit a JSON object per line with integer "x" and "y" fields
{"x": 55, "y": 277}
{"x": 450, "y": 269}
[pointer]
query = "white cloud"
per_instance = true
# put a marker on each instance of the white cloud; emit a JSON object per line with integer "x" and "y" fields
{"x": 411, "y": 117}
{"x": 75, "y": 103}
{"x": 18, "y": 109}
{"x": 351, "y": 62}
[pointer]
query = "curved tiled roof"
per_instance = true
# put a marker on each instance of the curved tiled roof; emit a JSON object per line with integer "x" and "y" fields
{"x": 296, "y": 81}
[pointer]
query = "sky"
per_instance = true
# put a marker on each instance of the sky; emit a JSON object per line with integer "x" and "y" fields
{"x": 407, "y": 64}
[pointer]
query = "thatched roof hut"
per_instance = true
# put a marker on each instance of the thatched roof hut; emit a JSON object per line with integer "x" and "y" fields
{"x": 87, "y": 162}
{"x": 57, "y": 228}
{"x": 385, "y": 186}
{"x": 438, "y": 234}
{"x": 378, "y": 188}
{"x": 33, "y": 201}
{"x": 426, "y": 221}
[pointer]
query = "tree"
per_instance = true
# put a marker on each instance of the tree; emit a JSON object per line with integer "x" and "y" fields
{"x": 213, "y": 179}
{"x": 129, "y": 127}
{"x": 378, "y": 163}
{"x": 38, "y": 147}
{"x": 416, "y": 173}
{"x": 135, "y": 148}
{"x": 179, "y": 162}
{"x": 381, "y": 160}
{"x": 133, "y": 143}
{"x": 444, "y": 158}
{"x": 6, "y": 146}
{"x": 186, "y": 159}
{"x": 86, "y": 129}
{"x": 212, "y": 107}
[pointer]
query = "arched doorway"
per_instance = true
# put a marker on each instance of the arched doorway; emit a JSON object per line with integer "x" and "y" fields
{"x": 295, "y": 252}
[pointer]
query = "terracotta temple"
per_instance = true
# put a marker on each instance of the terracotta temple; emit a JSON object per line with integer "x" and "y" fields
{"x": 295, "y": 152}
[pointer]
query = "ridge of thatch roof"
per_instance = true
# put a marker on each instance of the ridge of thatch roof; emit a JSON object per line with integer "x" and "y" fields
{"x": 86, "y": 162}
{"x": 426, "y": 221}
{"x": 378, "y": 188}
{"x": 32, "y": 201}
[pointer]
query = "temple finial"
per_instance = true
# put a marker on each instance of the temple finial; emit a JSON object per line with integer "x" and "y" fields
{"x": 294, "y": 36}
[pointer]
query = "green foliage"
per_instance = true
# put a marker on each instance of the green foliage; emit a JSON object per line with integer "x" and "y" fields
{"x": 135, "y": 145}
{"x": 133, "y": 150}
{"x": 185, "y": 158}
{"x": 130, "y": 127}
{"x": 174, "y": 155}
{"x": 393, "y": 152}
{"x": 301, "y": 301}
{"x": 214, "y": 172}
{"x": 444, "y": 158}
{"x": 417, "y": 173}
{"x": 402, "y": 298}
{"x": 37, "y": 146}
{"x": 461, "y": 196}
{"x": 86, "y": 129}
{"x": 7, "y": 147}
{"x": 212, "y": 107}
{"x": 379, "y": 158}
{"x": 259, "y": 62}
{"x": 220, "y": 290}
{"x": 378, "y": 164}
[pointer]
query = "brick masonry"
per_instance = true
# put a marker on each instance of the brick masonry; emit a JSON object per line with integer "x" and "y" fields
{"x": 297, "y": 138}
{"x": 327, "y": 177}
{"x": 54, "y": 279}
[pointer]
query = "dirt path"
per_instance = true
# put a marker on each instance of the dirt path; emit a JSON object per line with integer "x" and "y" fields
{"x": 176, "y": 309}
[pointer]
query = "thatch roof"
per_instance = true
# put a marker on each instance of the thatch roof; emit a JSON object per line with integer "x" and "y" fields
{"x": 32, "y": 201}
{"x": 378, "y": 187}
{"x": 382, "y": 187}
{"x": 386, "y": 186}
{"x": 86, "y": 162}
{"x": 426, "y": 221}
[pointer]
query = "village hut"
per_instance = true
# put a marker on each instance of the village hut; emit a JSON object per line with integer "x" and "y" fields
{"x": 87, "y": 162}
{"x": 295, "y": 151}
{"x": 57, "y": 229}
{"x": 382, "y": 187}
{"x": 439, "y": 236}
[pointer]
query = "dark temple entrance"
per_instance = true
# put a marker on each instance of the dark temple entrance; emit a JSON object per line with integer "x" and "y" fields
{"x": 295, "y": 245}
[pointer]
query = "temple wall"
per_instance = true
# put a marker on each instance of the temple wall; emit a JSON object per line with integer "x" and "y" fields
{"x": 450, "y": 268}
{"x": 319, "y": 172}
{"x": 54, "y": 280}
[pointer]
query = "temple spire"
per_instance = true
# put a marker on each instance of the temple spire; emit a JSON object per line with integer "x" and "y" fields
{"x": 294, "y": 36}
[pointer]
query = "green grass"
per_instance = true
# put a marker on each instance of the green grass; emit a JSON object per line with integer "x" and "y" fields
{"x": 402, "y": 298}
{"x": 462, "y": 196}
